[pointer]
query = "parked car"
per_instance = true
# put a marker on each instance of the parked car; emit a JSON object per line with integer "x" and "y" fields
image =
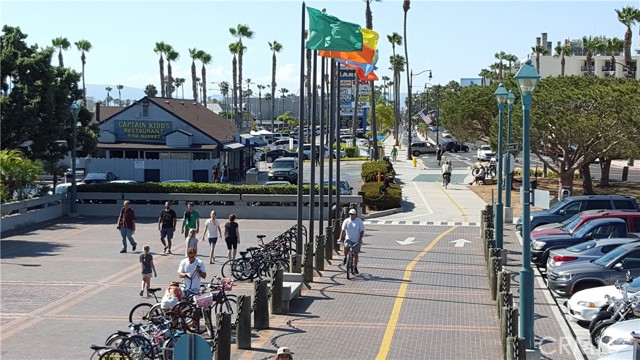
{"x": 591, "y": 230}
{"x": 617, "y": 337}
{"x": 446, "y": 134}
{"x": 613, "y": 266}
{"x": 345, "y": 188}
{"x": 631, "y": 217}
{"x": 99, "y": 177}
{"x": 272, "y": 155}
{"x": 422, "y": 147}
{"x": 485, "y": 153}
{"x": 63, "y": 188}
{"x": 585, "y": 251}
{"x": 277, "y": 182}
{"x": 454, "y": 146}
{"x": 284, "y": 144}
{"x": 572, "y": 205}
{"x": 177, "y": 181}
{"x": 123, "y": 182}
{"x": 585, "y": 304}
{"x": 285, "y": 168}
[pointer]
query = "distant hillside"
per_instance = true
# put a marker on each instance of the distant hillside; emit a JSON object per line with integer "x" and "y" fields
{"x": 98, "y": 92}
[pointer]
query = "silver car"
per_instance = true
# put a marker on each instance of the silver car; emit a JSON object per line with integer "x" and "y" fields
{"x": 584, "y": 251}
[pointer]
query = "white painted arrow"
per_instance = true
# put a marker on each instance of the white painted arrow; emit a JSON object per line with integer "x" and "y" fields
{"x": 460, "y": 242}
{"x": 407, "y": 241}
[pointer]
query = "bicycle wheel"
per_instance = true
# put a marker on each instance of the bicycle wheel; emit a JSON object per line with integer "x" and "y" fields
{"x": 114, "y": 340}
{"x": 178, "y": 323}
{"x": 114, "y": 354}
{"x": 140, "y": 313}
{"x": 188, "y": 312}
{"x": 138, "y": 347}
{"x": 155, "y": 312}
{"x": 228, "y": 305}
{"x": 225, "y": 271}
{"x": 206, "y": 314}
{"x": 241, "y": 270}
{"x": 349, "y": 264}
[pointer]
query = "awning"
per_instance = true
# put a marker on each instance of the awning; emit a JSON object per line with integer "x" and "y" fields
{"x": 232, "y": 146}
{"x": 252, "y": 141}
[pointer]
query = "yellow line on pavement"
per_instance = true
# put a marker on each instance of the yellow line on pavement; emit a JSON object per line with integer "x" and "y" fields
{"x": 397, "y": 305}
{"x": 464, "y": 215}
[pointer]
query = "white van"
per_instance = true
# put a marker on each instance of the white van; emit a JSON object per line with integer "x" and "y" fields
{"x": 285, "y": 144}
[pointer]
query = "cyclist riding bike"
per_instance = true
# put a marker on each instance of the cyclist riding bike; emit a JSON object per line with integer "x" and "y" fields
{"x": 351, "y": 235}
{"x": 446, "y": 173}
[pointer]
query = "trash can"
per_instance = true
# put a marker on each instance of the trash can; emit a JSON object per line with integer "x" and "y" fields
{"x": 565, "y": 193}
{"x": 252, "y": 176}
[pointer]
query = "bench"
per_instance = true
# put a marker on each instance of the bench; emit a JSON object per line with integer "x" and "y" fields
{"x": 291, "y": 287}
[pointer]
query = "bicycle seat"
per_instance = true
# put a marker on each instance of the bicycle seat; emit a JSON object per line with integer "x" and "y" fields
{"x": 253, "y": 248}
{"x": 261, "y": 236}
{"x": 95, "y": 347}
{"x": 154, "y": 290}
{"x": 127, "y": 333}
{"x": 243, "y": 253}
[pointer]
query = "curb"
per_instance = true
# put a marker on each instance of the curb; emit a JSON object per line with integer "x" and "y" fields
{"x": 618, "y": 166}
{"x": 381, "y": 213}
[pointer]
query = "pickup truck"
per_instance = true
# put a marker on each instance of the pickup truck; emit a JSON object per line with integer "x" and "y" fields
{"x": 591, "y": 230}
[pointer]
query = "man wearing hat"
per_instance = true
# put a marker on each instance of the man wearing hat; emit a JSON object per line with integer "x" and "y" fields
{"x": 352, "y": 234}
{"x": 284, "y": 353}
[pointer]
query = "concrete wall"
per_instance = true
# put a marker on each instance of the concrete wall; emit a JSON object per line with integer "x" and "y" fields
{"x": 32, "y": 211}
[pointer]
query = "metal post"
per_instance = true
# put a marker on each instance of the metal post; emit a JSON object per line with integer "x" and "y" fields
{"x": 75, "y": 108}
{"x": 526, "y": 272}
{"x": 300, "y": 133}
{"x": 409, "y": 114}
{"x": 331, "y": 120}
{"x": 508, "y": 170}
{"x": 321, "y": 143}
{"x": 243, "y": 328}
{"x": 261, "y": 311}
{"x": 499, "y": 217}
{"x": 338, "y": 149}
{"x": 374, "y": 124}
{"x": 312, "y": 136}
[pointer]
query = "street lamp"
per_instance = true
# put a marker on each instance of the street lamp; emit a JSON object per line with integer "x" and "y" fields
{"x": 410, "y": 111}
{"x": 527, "y": 78}
{"x": 75, "y": 109}
{"x": 511, "y": 98}
{"x": 501, "y": 97}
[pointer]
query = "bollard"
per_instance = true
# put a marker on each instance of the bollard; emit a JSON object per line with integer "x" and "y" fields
{"x": 295, "y": 263}
{"x": 513, "y": 322}
{"x": 520, "y": 352}
{"x": 307, "y": 271}
{"x": 223, "y": 337}
{"x": 243, "y": 326}
{"x": 511, "y": 346}
{"x": 504, "y": 281}
{"x": 492, "y": 277}
{"x": 319, "y": 255}
{"x": 504, "y": 333}
{"x": 276, "y": 292}
{"x": 261, "y": 308}
{"x": 328, "y": 244}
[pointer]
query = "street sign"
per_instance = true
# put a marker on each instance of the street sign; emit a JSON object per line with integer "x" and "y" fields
{"x": 192, "y": 347}
{"x": 511, "y": 147}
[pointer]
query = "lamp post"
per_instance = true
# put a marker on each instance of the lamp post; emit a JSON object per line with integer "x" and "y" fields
{"x": 527, "y": 78}
{"x": 410, "y": 111}
{"x": 501, "y": 97}
{"x": 511, "y": 98}
{"x": 75, "y": 109}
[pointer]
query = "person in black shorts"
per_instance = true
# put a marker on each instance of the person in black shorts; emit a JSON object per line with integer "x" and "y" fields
{"x": 231, "y": 236}
{"x": 167, "y": 225}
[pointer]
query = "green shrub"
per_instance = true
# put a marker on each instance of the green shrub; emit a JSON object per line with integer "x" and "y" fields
{"x": 194, "y": 188}
{"x": 375, "y": 200}
{"x": 370, "y": 170}
{"x": 351, "y": 151}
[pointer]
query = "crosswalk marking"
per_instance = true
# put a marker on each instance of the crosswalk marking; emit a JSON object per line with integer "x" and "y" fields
{"x": 420, "y": 223}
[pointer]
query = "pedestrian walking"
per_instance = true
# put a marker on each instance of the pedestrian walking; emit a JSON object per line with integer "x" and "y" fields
{"x": 190, "y": 220}
{"x": 439, "y": 152}
{"x": 191, "y": 242}
{"x": 231, "y": 236}
{"x": 316, "y": 156}
{"x": 394, "y": 154}
{"x": 167, "y": 226}
{"x": 212, "y": 229}
{"x": 148, "y": 267}
{"x": 127, "y": 226}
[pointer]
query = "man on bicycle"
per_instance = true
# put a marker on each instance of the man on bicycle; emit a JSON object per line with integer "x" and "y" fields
{"x": 351, "y": 235}
{"x": 446, "y": 172}
{"x": 193, "y": 269}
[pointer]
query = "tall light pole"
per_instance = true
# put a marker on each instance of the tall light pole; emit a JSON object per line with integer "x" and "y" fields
{"x": 511, "y": 98}
{"x": 410, "y": 111}
{"x": 75, "y": 109}
{"x": 501, "y": 97}
{"x": 527, "y": 78}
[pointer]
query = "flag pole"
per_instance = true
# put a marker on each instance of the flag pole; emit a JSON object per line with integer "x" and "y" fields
{"x": 331, "y": 116}
{"x": 312, "y": 136}
{"x": 323, "y": 70}
{"x": 299, "y": 230}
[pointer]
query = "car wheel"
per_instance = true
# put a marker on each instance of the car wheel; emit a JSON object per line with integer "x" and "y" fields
{"x": 416, "y": 153}
{"x": 466, "y": 149}
{"x": 269, "y": 159}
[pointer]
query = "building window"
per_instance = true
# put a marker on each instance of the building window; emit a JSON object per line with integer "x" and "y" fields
{"x": 116, "y": 154}
{"x": 165, "y": 156}
{"x": 201, "y": 156}
{"x": 151, "y": 155}
{"x": 131, "y": 154}
{"x": 180, "y": 155}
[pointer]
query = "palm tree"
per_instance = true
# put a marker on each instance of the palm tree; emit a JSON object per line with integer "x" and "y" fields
{"x": 193, "y": 53}
{"x": 406, "y": 5}
{"x": 394, "y": 39}
{"x": 284, "y": 92}
{"x": 119, "y": 87}
{"x": 385, "y": 79}
{"x": 613, "y": 46}
{"x": 397, "y": 65}
{"x": 205, "y": 58}
{"x": 275, "y": 47}
{"x": 591, "y": 44}
{"x": 628, "y": 16}
{"x": 234, "y": 48}
{"x": 511, "y": 59}
{"x": 224, "y": 91}
{"x": 560, "y": 52}
{"x": 161, "y": 48}
{"x": 260, "y": 88}
{"x": 269, "y": 100}
{"x": 240, "y": 32}
{"x": 486, "y": 74}
{"x": 61, "y": 43}
{"x": 500, "y": 56}
{"x": 150, "y": 90}
{"x": 539, "y": 50}
{"x": 172, "y": 55}
{"x": 108, "y": 100}
{"x": 84, "y": 46}
{"x": 180, "y": 84}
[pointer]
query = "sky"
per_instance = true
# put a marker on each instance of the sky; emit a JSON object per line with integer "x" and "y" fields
{"x": 453, "y": 39}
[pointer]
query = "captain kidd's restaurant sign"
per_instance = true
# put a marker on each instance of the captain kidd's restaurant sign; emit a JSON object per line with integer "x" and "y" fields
{"x": 142, "y": 130}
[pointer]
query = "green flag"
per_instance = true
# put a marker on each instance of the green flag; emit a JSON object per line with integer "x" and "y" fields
{"x": 327, "y": 32}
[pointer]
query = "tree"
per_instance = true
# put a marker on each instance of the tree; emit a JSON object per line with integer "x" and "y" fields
{"x": 613, "y": 46}
{"x": 538, "y": 50}
{"x": 397, "y": 65}
{"x": 511, "y": 59}
{"x": 561, "y": 51}
{"x": 171, "y": 55}
{"x": 84, "y": 46}
{"x": 275, "y": 47}
{"x": 500, "y": 56}
{"x": 224, "y": 90}
{"x": 288, "y": 119}
{"x": 385, "y": 86}
{"x": 486, "y": 74}
{"x": 406, "y": 5}
{"x": 628, "y": 16}
{"x": 61, "y": 43}
{"x": 241, "y": 31}
{"x": 119, "y": 87}
{"x": 384, "y": 115}
{"x": 205, "y": 58}
{"x": 150, "y": 90}
{"x": 260, "y": 88}
{"x": 284, "y": 92}
{"x": 591, "y": 44}
{"x": 180, "y": 84}
{"x": 193, "y": 53}
{"x": 161, "y": 49}
{"x": 234, "y": 48}
{"x": 18, "y": 175}
{"x": 108, "y": 99}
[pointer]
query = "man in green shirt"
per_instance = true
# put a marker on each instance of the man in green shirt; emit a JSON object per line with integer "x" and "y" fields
{"x": 190, "y": 220}
{"x": 394, "y": 153}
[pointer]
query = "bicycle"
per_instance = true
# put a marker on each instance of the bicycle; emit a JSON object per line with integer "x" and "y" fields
{"x": 140, "y": 312}
{"x": 446, "y": 179}
{"x": 349, "y": 265}
{"x": 109, "y": 353}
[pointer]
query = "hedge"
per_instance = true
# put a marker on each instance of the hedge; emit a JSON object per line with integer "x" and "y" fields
{"x": 375, "y": 200}
{"x": 195, "y": 188}
{"x": 370, "y": 170}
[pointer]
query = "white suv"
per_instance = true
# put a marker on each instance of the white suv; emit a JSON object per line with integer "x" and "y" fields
{"x": 485, "y": 153}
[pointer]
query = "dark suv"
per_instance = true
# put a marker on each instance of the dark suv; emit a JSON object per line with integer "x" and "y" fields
{"x": 572, "y": 205}
{"x": 421, "y": 148}
{"x": 454, "y": 146}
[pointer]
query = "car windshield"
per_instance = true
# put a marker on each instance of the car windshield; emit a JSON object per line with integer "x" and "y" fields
{"x": 283, "y": 164}
{"x": 582, "y": 246}
{"x": 91, "y": 176}
{"x": 571, "y": 223}
{"x": 558, "y": 205}
{"x": 485, "y": 147}
{"x": 343, "y": 184}
{"x": 584, "y": 229}
{"x": 606, "y": 258}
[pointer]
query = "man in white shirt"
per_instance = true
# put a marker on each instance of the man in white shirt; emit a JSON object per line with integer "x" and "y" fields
{"x": 352, "y": 234}
{"x": 192, "y": 269}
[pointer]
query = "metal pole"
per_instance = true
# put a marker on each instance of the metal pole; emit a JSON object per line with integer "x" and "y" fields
{"x": 409, "y": 116}
{"x": 374, "y": 124}
{"x": 322, "y": 119}
{"x": 74, "y": 145}
{"x": 499, "y": 217}
{"x": 338, "y": 149}
{"x": 526, "y": 272}
{"x": 438, "y": 118}
{"x": 331, "y": 117}
{"x": 300, "y": 153}
{"x": 507, "y": 193}
{"x": 312, "y": 137}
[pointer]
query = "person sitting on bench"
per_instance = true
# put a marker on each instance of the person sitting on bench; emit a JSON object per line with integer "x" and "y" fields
{"x": 478, "y": 175}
